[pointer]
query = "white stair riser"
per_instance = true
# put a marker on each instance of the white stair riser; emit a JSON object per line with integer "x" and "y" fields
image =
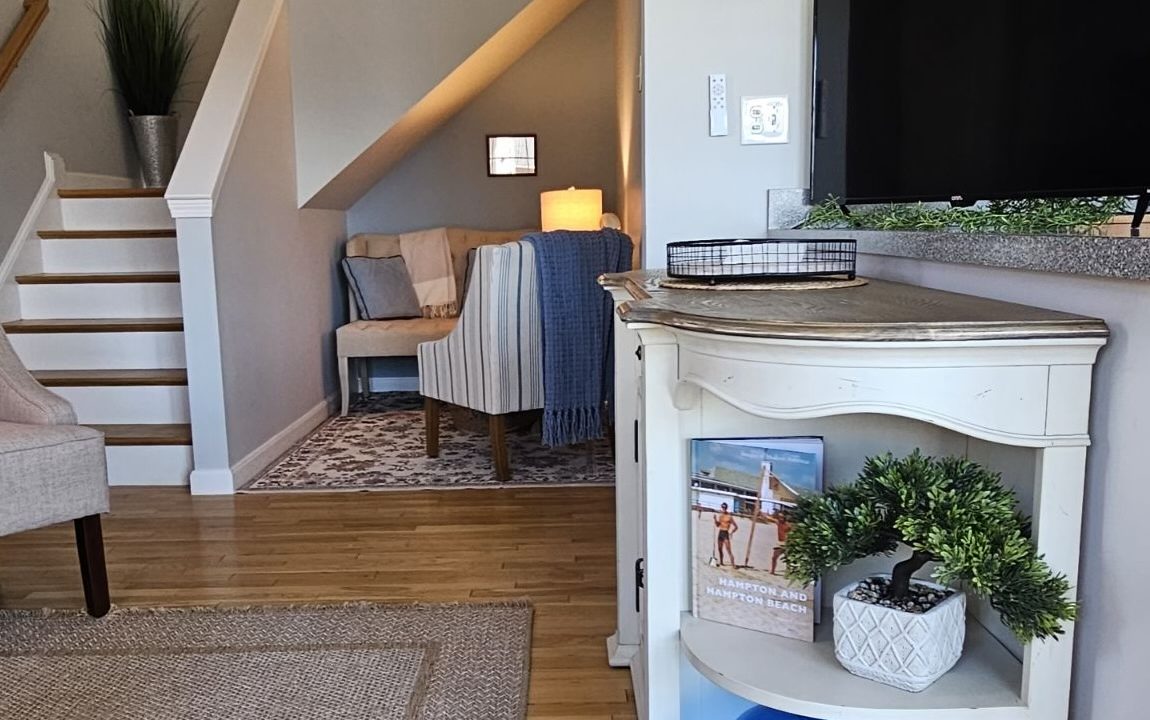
{"x": 100, "y": 300}
{"x": 116, "y": 214}
{"x": 100, "y": 351}
{"x": 110, "y": 255}
{"x": 128, "y": 405}
{"x": 149, "y": 465}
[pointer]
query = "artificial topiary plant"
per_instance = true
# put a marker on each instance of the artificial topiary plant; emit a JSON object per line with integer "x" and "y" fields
{"x": 951, "y": 511}
{"x": 149, "y": 44}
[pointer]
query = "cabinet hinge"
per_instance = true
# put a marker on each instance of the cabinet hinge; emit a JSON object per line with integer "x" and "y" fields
{"x": 640, "y": 576}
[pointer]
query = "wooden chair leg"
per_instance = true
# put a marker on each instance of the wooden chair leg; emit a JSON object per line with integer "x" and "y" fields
{"x": 431, "y": 425}
{"x": 93, "y": 571}
{"x": 497, "y": 426}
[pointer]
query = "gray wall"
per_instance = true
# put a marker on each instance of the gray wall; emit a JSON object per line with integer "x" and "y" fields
{"x": 356, "y": 71}
{"x": 10, "y": 12}
{"x": 278, "y": 294}
{"x": 702, "y": 187}
{"x": 563, "y": 90}
{"x": 60, "y": 99}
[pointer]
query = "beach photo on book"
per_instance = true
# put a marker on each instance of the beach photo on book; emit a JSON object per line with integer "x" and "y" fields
{"x": 740, "y": 490}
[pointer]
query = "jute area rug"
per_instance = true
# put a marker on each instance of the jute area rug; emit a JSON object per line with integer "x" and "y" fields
{"x": 380, "y": 446}
{"x": 383, "y": 662}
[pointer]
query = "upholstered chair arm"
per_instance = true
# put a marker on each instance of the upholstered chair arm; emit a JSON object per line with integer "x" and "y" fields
{"x": 493, "y": 360}
{"x": 22, "y": 399}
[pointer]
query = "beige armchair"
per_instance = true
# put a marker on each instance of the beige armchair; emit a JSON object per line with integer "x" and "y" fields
{"x": 360, "y": 340}
{"x": 51, "y": 471}
{"x": 492, "y": 361}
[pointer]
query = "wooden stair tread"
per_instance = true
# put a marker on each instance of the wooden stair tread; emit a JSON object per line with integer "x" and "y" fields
{"x": 95, "y": 325}
{"x": 125, "y": 435}
{"x": 97, "y": 278}
{"x": 105, "y": 234}
{"x": 98, "y": 193}
{"x": 110, "y": 378}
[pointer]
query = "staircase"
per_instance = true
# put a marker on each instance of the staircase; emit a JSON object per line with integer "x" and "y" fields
{"x": 101, "y": 326}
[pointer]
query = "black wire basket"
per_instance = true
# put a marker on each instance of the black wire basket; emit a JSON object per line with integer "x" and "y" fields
{"x": 716, "y": 261}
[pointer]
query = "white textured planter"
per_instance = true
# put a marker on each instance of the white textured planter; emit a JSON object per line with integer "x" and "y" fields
{"x": 902, "y": 649}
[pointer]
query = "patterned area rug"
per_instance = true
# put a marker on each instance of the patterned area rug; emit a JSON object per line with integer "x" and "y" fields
{"x": 386, "y": 662}
{"x": 380, "y": 446}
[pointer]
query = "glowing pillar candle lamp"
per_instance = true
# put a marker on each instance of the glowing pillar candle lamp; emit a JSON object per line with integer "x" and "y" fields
{"x": 571, "y": 209}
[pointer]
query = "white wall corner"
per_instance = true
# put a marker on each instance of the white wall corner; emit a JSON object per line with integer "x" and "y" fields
{"x": 258, "y": 460}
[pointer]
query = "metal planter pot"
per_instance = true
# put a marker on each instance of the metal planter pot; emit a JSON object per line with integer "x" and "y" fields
{"x": 156, "y": 145}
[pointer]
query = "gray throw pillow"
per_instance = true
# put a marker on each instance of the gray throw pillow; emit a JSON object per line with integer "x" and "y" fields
{"x": 381, "y": 287}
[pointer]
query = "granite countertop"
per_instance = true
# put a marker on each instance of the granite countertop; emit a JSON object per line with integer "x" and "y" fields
{"x": 879, "y": 311}
{"x": 1107, "y": 256}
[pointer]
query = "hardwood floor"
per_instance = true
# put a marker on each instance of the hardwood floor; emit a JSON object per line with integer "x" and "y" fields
{"x": 554, "y": 546}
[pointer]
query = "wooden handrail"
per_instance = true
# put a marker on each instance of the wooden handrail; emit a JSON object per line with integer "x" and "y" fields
{"x": 21, "y": 37}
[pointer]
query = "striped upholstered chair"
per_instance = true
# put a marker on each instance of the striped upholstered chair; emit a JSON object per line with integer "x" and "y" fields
{"x": 492, "y": 362}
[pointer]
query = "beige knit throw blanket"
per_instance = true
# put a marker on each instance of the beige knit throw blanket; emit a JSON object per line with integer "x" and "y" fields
{"x": 427, "y": 255}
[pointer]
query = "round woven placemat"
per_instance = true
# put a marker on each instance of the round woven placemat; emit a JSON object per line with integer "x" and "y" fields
{"x": 822, "y": 284}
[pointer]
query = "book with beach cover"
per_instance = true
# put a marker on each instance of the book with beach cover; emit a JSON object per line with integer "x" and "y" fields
{"x": 740, "y": 490}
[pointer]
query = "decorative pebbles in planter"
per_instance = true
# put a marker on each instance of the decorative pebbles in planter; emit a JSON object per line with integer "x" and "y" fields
{"x": 907, "y": 648}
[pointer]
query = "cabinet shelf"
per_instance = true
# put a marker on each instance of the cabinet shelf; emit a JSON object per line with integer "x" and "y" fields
{"x": 805, "y": 679}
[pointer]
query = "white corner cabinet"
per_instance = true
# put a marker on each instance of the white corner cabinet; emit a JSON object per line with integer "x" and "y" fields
{"x": 884, "y": 367}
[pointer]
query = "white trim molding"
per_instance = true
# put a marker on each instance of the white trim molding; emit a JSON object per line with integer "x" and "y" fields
{"x": 190, "y": 207}
{"x": 212, "y": 482}
{"x": 258, "y": 460}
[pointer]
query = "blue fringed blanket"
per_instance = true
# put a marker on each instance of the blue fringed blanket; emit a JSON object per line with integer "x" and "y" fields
{"x": 578, "y": 364}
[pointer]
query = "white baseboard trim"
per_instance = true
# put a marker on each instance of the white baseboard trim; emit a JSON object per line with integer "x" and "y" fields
{"x": 394, "y": 384}
{"x": 259, "y": 459}
{"x": 212, "y": 482}
{"x": 619, "y": 655}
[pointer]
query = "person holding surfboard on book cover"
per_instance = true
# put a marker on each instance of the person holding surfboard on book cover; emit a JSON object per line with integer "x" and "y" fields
{"x": 727, "y": 526}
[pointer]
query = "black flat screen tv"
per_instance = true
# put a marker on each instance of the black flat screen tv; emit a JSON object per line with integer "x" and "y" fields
{"x": 968, "y": 100}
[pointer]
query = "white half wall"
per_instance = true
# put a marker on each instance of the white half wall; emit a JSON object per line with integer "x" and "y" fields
{"x": 278, "y": 293}
{"x": 697, "y": 186}
{"x": 562, "y": 90}
{"x": 260, "y": 295}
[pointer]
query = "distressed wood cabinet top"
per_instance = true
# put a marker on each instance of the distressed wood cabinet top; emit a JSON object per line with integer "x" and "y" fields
{"x": 880, "y": 311}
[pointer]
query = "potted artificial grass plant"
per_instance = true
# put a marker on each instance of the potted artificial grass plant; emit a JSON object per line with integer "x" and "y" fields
{"x": 148, "y": 43}
{"x": 906, "y": 632}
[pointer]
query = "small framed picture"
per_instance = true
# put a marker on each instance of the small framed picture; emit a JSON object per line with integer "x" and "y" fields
{"x": 512, "y": 155}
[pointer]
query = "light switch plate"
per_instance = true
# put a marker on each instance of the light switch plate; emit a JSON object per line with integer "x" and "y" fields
{"x": 765, "y": 120}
